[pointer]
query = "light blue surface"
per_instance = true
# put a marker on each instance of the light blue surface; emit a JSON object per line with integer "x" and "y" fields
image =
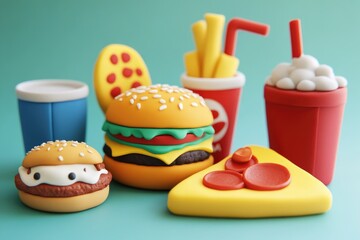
{"x": 62, "y": 39}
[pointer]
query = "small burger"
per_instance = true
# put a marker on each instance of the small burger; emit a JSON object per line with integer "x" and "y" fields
{"x": 63, "y": 176}
{"x": 156, "y": 136}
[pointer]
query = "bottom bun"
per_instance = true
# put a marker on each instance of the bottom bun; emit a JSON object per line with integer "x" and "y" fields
{"x": 65, "y": 204}
{"x": 153, "y": 177}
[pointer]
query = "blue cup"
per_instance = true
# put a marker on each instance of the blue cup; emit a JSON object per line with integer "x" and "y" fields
{"x": 52, "y": 110}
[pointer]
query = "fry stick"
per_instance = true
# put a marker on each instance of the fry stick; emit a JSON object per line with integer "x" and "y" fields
{"x": 215, "y": 25}
{"x": 227, "y": 66}
{"x": 199, "y": 34}
{"x": 192, "y": 64}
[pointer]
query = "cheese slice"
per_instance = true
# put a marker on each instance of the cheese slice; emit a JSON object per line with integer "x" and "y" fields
{"x": 305, "y": 194}
{"x": 118, "y": 149}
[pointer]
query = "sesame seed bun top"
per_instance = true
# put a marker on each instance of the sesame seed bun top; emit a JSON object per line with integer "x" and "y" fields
{"x": 60, "y": 153}
{"x": 159, "y": 106}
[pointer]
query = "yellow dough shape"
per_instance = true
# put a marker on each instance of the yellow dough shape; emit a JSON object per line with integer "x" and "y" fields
{"x": 117, "y": 69}
{"x": 305, "y": 195}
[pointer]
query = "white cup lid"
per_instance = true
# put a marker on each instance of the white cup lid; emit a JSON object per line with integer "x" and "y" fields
{"x": 51, "y": 90}
{"x": 237, "y": 81}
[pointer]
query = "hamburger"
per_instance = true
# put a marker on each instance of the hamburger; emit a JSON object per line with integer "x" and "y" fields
{"x": 63, "y": 176}
{"x": 156, "y": 136}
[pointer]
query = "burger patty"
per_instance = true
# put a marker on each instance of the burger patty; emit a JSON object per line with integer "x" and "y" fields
{"x": 76, "y": 189}
{"x": 140, "y": 159}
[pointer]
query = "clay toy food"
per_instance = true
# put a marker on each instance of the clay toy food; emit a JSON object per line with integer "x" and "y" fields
{"x": 269, "y": 186}
{"x": 118, "y": 68}
{"x": 63, "y": 176}
{"x": 214, "y": 75}
{"x": 305, "y": 104}
{"x": 157, "y": 136}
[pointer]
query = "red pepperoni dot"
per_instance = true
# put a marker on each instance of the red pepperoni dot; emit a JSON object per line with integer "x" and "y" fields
{"x": 125, "y": 57}
{"x": 127, "y": 72}
{"x": 138, "y": 72}
{"x": 135, "y": 85}
{"x": 111, "y": 78}
{"x": 114, "y": 59}
{"x": 115, "y": 92}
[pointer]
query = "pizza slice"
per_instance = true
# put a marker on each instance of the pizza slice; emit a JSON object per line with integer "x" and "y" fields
{"x": 302, "y": 194}
{"x": 117, "y": 69}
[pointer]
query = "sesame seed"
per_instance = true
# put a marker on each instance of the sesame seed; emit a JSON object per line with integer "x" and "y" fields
{"x": 119, "y": 96}
{"x": 60, "y": 149}
{"x": 128, "y": 93}
{"x": 138, "y": 90}
{"x": 65, "y": 144}
{"x": 142, "y": 87}
{"x": 81, "y": 154}
{"x": 162, "y": 107}
{"x": 121, "y": 99}
{"x": 181, "y": 98}
{"x": 157, "y": 96}
{"x": 187, "y": 96}
{"x": 138, "y": 105}
{"x": 176, "y": 91}
{"x": 194, "y": 104}
{"x": 153, "y": 91}
{"x": 63, "y": 141}
{"x": 48, "y": 148}
{"x": 181, "y": 106}
{"x": 132, "y": 101}
{"x": 172, "y": 99}
{"x": 134, "y": 96}
{"x": 57, "y": 145}
{"x": 170, "y": 91}
{"x": 163, "y": 101}
{"x": 203, "y": 103}
{"x": 143, "y": 98}
{"x": 74, "y": 144}
{"x": 61, "y": 158}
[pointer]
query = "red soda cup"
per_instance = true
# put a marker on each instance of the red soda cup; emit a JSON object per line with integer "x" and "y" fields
{"x": 222, "y": 95}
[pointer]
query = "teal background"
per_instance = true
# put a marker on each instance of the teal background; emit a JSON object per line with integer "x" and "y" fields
{"x": 62, "y": 39}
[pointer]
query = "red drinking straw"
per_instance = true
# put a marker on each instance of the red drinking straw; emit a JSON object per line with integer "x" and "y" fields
{"x": 296, "y": 38}
{"x": 241, "y": 24}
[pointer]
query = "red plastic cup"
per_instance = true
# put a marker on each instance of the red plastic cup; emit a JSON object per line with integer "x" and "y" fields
{"x": 304, "y": 127}
{"x": 222, "y": 95}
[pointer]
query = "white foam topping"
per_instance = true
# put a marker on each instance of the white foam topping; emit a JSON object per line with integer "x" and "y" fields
{"x": 305, "y": 74}
{"x": 60, "y": 175}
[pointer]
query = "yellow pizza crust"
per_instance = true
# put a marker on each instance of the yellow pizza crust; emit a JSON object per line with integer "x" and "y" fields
{"x": 105, "y": 66}
{"x": 305, "y": 194}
